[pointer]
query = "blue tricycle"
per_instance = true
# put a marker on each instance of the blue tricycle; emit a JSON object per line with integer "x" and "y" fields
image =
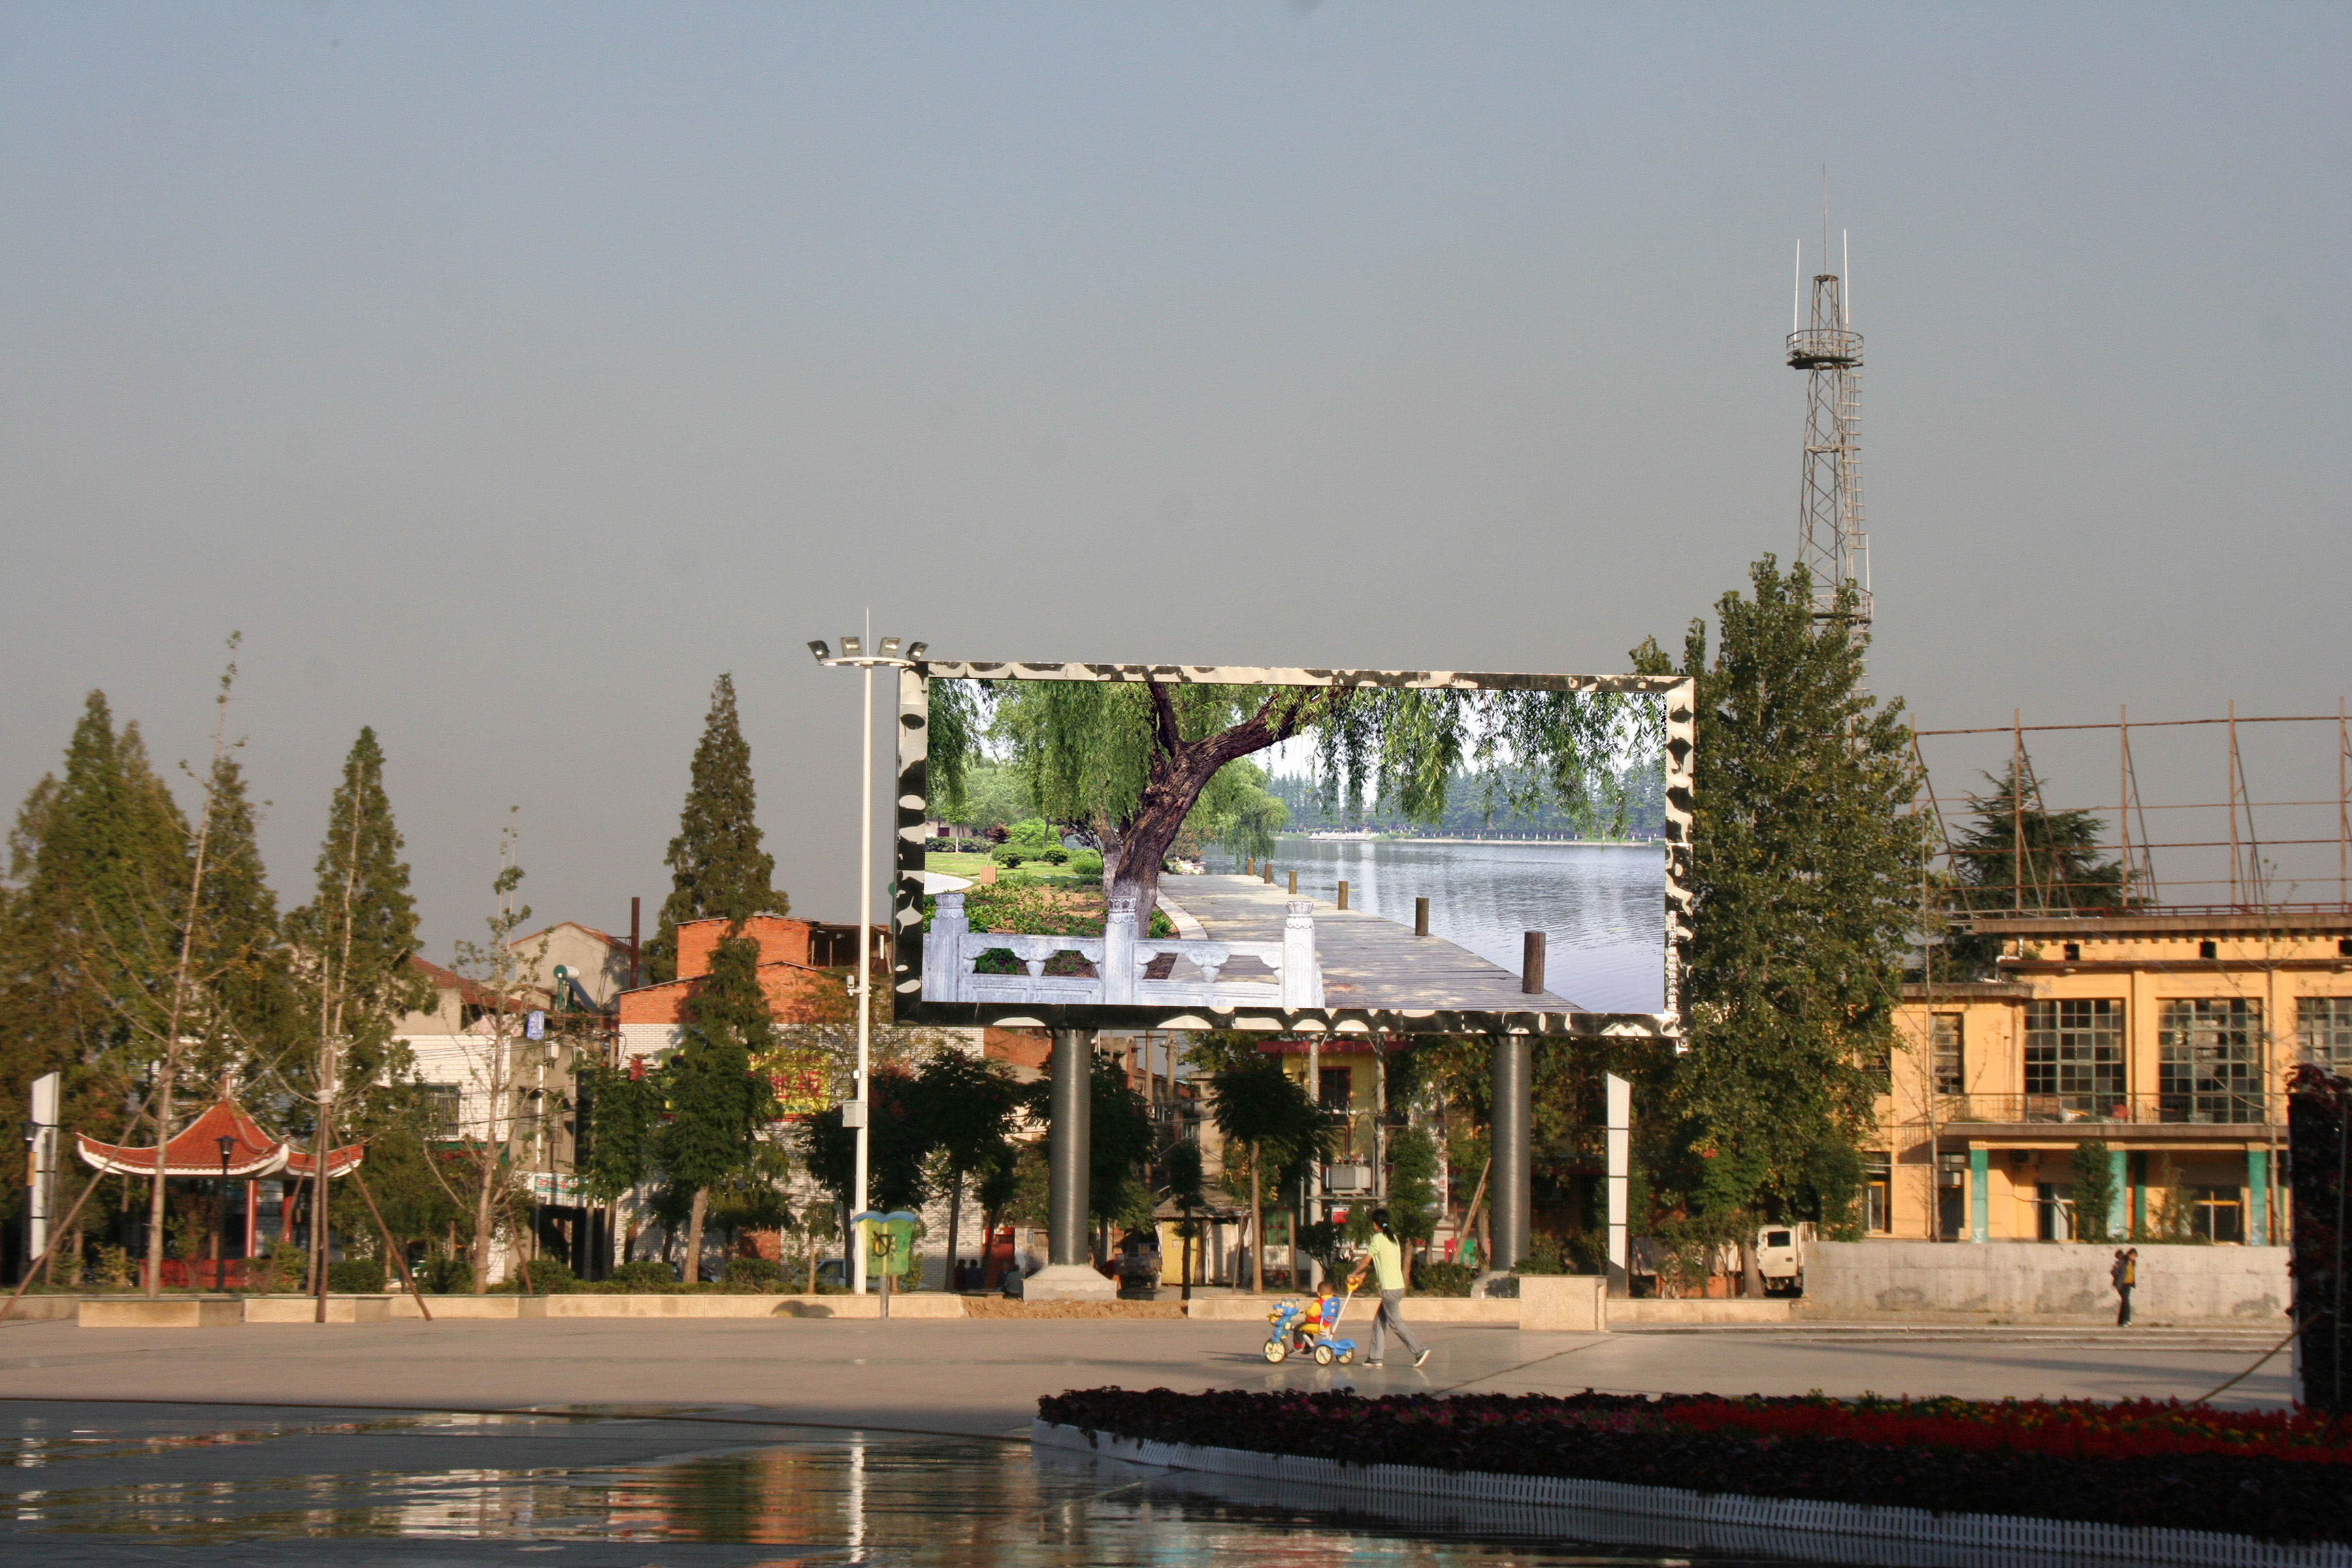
{"x": 1296, "y": 1331}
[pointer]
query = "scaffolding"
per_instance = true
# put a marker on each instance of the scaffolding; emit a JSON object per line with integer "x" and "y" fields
{"x": 2247, "y": 870}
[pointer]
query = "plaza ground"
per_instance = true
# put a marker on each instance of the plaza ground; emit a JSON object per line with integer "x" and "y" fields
{"x": 983, "y": 1377}
{"x": 749, "y": 1443}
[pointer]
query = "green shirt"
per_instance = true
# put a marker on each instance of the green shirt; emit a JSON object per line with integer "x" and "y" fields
{"x": 1388, "y": 1263}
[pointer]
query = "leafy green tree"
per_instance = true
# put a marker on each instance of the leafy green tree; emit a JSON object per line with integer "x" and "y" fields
{"x": 621, "y": 1111}
{"x": 1413, "y": 1187}
{"x": 1125, "y": 763}
{"x": 969, "y": 1106}
{"x": 2095, "y": 1190}
{"x": 1121, "y": 1140}
{"x": 717, "y": 865}
{"x": 1187, "y": 1189}
{"x": 1262, "y": 1109}
{"x": 500, "y": 1056}
{"x": 1804, "y": 880}
{"x": 717, "y": 1104}
{"x": 354, "y": 941}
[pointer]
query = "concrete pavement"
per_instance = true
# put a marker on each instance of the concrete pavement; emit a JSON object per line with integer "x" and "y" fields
{"x": 984, "y": 1376}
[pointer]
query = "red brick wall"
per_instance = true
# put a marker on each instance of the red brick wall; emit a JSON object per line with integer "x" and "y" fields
{"x": 1032, "y": 1048}
{"x": 780, "y": 938}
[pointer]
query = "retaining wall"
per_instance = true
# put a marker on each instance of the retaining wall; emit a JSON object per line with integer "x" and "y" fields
{"x": 2046, "y": 1280}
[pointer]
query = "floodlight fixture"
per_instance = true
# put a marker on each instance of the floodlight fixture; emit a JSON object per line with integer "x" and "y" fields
{"x": 889, "y": 646}
{"x": 823, "y": 653}
{"x": 851, "y": 647}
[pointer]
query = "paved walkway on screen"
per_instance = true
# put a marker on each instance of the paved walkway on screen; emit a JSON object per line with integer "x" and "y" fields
{"x": 1367, "y": 962}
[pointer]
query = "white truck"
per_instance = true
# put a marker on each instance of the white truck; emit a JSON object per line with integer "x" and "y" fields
{"x": 1781, "y": 1252}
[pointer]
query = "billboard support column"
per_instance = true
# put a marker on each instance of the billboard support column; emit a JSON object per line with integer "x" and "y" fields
{"x": 1069, "y": 1274}
{"x": 1071, "y": 1151}
{"x": 1621, "y": 1165}
{"x": 1514, "y": 1171}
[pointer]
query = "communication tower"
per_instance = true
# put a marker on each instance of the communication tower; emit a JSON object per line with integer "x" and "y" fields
{"x": 1830, "y": 543}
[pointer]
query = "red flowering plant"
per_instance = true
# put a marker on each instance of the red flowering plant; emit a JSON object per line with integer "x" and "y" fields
{"x": 2273, "y": 1473}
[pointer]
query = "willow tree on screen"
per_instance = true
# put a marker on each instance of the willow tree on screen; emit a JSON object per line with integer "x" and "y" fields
{"x": 1126, "y": 762}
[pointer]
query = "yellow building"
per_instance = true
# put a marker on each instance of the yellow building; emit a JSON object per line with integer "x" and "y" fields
{"x": 2167, "y": 1036}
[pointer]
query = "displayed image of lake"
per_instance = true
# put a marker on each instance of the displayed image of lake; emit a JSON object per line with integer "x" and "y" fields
{"x": 1602, "y": 907}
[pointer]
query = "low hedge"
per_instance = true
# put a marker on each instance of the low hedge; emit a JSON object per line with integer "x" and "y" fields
{"x": 2276, "y": 1474}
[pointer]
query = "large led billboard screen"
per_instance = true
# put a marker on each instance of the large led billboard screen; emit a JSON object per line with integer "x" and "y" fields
{"x": 1191, "y": 847}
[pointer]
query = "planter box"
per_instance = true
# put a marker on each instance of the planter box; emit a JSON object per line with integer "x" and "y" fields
{"x": 42, "y": 1308}
{"x": 166, "y": 1312}
{"x": 1634, "y": 1314}
{"x": 1564, "y": 1303}
{"x": 305, "y": 1309}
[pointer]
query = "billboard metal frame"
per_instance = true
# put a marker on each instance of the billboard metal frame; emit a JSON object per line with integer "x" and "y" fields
{"x": 913, "y": 814}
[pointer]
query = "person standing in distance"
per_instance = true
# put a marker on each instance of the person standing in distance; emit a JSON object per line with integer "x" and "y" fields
{"x": 2126, "y": 1274}
{"x": 1385, "y": 1262}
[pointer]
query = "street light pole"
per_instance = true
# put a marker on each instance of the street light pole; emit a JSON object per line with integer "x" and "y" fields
{"x": 857, "y": 1114}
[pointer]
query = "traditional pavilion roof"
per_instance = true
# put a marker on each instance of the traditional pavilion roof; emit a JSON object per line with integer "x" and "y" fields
{"x": 195, "y": 1151}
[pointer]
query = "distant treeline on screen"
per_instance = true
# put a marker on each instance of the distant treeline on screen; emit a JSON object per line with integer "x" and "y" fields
{"x": 1473, "y": 806}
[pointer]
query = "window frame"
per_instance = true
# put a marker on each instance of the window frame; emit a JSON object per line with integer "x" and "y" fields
{"x": 2210, "y": 1060}
{"x": 2087, "y": 1069}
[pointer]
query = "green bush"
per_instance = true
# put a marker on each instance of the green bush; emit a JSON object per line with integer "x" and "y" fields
{"x": 1009, "y": 855}
{"x": 1087, "y": 863}
{"x": 1054, "y": 855}
{"x": 446, "y": 1273}
{"x": 1443, "y": 1278}
{"x": 645, "y": 1272}
{"x": 550, "y": 1276}
{"x": 759, "y": 1272}
{"x": 356, "y": 1277}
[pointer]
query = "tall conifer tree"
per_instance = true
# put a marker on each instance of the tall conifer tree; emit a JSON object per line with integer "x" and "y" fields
{"x": 717, "y": 866}
{"x": 90, "y": 926}
{"x": 1805, "y": 868}
{"x": 717, "y": 1104}
{"x": 354, "y": 941}
{"x": 250, "y": 1014}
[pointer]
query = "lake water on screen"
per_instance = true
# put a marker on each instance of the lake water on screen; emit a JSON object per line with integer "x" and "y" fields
{"x": 1601, "y": 907}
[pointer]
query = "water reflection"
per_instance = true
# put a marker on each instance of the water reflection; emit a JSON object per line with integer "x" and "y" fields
{"x": 770, "y": 1494}
{"x": 1602, "y": 907}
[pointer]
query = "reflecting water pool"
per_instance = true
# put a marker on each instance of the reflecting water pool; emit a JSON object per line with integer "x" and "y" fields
{"x": 683, "y": 1488}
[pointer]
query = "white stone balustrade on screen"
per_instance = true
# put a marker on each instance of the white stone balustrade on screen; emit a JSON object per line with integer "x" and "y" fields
{"x": 1121, "y": 957}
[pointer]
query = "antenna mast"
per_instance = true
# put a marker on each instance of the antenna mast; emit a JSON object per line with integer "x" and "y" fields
{"x": 1830, "y": 543}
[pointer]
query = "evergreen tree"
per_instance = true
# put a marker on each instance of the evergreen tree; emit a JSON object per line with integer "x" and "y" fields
{"x": 2059, "y": 868}
{"x": 249, "y": 1016}
{"x": 1804, "y": 878}
{"x": 716, "y": 867}
{"x": 354, "y": 942}
{"x": 717, "y": 1104}
{"x": 89, "y": 932}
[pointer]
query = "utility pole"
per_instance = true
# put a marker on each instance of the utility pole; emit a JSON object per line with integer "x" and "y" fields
{"x": 858, "y": 1111}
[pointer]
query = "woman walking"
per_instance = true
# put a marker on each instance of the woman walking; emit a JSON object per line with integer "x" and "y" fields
{"x": 1384, "y": 1261}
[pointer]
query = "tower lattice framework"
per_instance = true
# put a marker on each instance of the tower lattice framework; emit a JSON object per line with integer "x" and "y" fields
{"x": 1830, "y": 543}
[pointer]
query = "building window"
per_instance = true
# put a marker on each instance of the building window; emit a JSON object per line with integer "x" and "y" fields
{"x": 441, "y": 1108}
{"x": 1337, "y": 1088}
{"x": 2074, "y": 1056}
{"x": 2211, "y": 1065}
{"x": 1950, "y": 1062}
{"x": 2323, "y": 1029}
{"x": 1878, "y": 1190}
{"x": 2220, "y": 1213}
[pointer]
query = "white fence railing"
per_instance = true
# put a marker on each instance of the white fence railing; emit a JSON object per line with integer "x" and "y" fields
{"x": 1120, "y": 956}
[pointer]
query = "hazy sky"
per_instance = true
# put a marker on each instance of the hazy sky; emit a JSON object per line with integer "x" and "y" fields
{"x": 506, "y": 372}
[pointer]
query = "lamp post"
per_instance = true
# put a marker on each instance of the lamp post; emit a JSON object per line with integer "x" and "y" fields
{"x": 220, "y": 1222}
{"x": 855, "y": 1115}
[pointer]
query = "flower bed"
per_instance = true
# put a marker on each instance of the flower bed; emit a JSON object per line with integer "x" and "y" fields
{"x": 2275, "y": 1475}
